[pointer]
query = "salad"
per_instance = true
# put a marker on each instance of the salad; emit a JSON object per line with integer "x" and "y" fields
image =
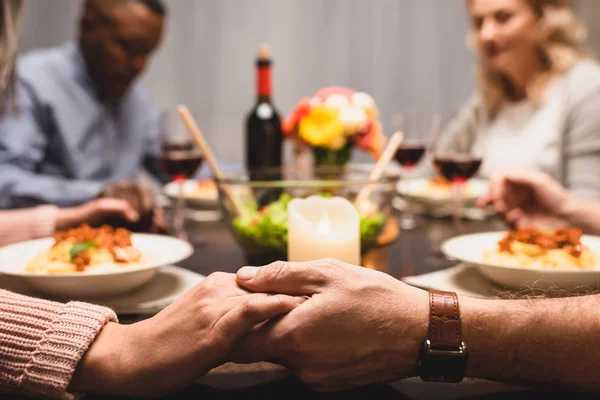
{"x": 265, "y": 230}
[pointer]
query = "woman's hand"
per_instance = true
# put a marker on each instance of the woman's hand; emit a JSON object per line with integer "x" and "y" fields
{"x": 180, "y": 344}
{"x": 528, "y": 198}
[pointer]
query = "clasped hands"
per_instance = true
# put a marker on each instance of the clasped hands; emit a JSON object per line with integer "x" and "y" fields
{"x": 332, "y": 324}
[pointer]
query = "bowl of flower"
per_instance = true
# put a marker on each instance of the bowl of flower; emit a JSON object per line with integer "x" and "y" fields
{"x": 333, "y": 122}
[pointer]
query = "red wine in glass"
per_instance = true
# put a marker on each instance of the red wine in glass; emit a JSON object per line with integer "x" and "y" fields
{"x": 457, "y": 168}
{"x": 181, "y": 165}
{"x": 180, "y": 160}
{"x": 410, "y": 153}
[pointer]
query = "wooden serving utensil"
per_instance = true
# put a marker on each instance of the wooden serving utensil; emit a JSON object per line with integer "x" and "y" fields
{"x": 382, "y": 163}
{"x": 198, "y": 138}
{"x": 435, "y": 130}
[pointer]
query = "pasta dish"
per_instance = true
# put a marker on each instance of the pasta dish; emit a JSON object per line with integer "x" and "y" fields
{"x": 529, "y": 247}
{"x": 85, "y": 248}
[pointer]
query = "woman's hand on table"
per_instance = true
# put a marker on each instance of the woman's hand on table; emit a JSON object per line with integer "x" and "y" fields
{"x": 180, "y": 344}
{"x": 359, "y": 326}
{"x": 528, "y": 198}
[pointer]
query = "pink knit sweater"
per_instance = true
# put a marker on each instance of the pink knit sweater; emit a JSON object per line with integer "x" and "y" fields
{"x": 41, "y": 343}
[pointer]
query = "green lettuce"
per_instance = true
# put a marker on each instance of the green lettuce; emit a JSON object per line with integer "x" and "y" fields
{"x": 266, "y": 230}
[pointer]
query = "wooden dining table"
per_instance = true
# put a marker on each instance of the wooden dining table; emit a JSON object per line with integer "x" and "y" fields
{"x": 413, "y": 252}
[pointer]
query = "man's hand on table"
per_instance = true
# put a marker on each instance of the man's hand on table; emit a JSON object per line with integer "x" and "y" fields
{"x": 362, "y": 326}
{"x": 94, "y": 212}
{"x": 358, "y": 327}
{"x": 141, "y": 199}
{"x": 180, "y": 344}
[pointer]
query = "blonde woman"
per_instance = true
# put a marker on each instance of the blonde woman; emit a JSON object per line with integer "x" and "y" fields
{"x": 538, "y": 99}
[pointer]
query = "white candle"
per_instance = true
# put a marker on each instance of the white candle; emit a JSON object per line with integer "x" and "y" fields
{"x": 321, "y": 227}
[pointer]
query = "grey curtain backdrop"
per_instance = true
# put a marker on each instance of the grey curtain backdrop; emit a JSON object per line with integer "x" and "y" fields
{"x": 409, "y": 54}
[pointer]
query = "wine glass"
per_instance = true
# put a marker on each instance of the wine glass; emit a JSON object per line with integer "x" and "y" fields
{"x": 457, "y": 164}
{"x": 411, "y": 151}
{"x": 180, "y": 159}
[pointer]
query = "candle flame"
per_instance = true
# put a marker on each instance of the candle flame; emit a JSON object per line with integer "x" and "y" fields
{"x": 324, "y": 224}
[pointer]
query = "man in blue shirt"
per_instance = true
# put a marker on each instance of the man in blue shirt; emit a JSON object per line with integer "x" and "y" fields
{"x": 82, "y": 126}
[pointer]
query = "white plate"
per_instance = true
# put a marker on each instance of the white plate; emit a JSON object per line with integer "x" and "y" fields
{"x": 159, "y": 251}
{"x": 412, "y": 190}
{"x": 193, "y": 196}
{"x": 169, "y": 283}
{"x": 470, "y": 249}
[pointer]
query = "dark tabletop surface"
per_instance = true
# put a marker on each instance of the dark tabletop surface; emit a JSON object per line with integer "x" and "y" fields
{"x": 414, "y": 252}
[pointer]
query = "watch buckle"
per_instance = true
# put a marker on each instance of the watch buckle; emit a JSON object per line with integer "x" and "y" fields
{"x": 460, "y": 351}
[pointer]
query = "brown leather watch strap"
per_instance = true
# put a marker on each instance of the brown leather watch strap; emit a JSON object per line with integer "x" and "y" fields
{"x": 444, "y": 354}
{"x": 444, "y": 324}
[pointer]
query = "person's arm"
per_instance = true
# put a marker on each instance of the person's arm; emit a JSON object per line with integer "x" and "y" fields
{"x": 362, "y": 326}
{"x": 582, "y": 213}
{"x": 42, "y": 221}
{"x": 532, "y": 198}
{"x": 19, "y": 225}
{"x": 23, "y": 140}
{"x": 582, "y": 148}
{"x": 57, "y": 351}
{"x": 43, "y": 342}
{"x": 550, "y": 342}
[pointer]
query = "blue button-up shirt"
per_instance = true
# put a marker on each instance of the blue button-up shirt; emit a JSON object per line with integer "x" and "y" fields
{"x": 65, "y": 143}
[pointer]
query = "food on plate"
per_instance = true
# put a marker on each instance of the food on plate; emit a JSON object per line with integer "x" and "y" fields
{"x": 440, "y": 187}
{"x": 530, "y": 247}
{"x": 202, "y": 189}
{"x": 85, "y": 248}
{"x": 265, "y": 230}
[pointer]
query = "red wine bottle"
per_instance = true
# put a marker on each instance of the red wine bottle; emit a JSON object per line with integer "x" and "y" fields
{"x": 264, "y": 137}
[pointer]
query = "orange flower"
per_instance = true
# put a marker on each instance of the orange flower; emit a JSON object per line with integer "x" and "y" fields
{"x": 302, "y": 109}
{"x": 372, "y": 141}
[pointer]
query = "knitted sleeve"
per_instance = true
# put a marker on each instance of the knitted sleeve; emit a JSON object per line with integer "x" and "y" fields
{"x": 41, "y": 343}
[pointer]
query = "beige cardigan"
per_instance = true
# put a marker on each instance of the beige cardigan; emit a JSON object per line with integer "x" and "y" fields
{"x": 571, "y": 152}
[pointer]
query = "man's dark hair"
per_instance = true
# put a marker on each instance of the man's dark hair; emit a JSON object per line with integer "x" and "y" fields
{"x": 156, "y": 6}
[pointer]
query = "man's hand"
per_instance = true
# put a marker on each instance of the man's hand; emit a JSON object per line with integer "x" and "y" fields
{"x": 139, "y": 196}
{"x": 180, "y": 344}
{"x": 358, "y": 327}
{"x": 141, "y": 199}
{"x": 528, "y": 198}
{"x": 94, "y": 212}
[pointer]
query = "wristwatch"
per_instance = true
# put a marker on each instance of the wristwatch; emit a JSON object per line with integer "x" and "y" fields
{"x": 443, "y": 357}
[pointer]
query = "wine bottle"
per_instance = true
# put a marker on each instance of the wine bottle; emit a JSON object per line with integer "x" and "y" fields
{"x": 264, "y": 137}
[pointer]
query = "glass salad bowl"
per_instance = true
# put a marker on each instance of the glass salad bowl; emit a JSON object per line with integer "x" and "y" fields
{"x": 254, "y": 204}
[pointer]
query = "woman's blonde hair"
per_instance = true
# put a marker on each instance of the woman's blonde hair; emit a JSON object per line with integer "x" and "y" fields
{"x": 10, "y": 11}
{"x": 559, "y": 47}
